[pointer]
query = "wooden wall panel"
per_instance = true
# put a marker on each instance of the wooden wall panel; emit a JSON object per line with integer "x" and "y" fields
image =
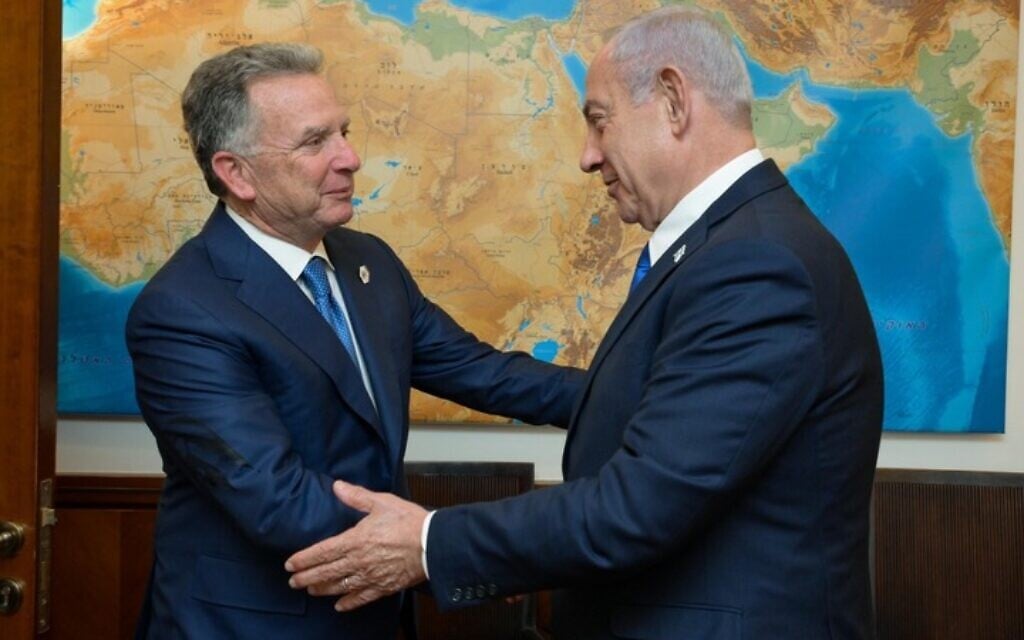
{"x": 949, "y": 555}
{"x": 103, "y": 570}
{"x": 102, "y": 554}
{"x": 103, "y": 551}
{"x": 442, "y": 484}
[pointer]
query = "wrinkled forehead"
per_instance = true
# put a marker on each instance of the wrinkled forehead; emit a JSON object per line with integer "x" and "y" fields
{"x": 295, "y": 102}
{"x": 603, "y": 83}
{"x": 284, "y": 91}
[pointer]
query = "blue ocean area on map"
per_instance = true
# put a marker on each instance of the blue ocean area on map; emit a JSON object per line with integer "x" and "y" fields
{"x": 405, "y": 10}
{"x": 77, "y": 16}
{"x": 93, "y": 368}
{"x": 548, "y": 9}
{"x": 903, "y": 199}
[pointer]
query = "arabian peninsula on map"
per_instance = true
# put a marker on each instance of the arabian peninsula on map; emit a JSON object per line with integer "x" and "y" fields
{"x": 895, "y": 121}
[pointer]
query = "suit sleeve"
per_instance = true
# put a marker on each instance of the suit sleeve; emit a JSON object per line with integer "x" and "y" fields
{"x": 734, "y": 371}
{"x": 452, "y": 363}
{"x": 200, "y": 394}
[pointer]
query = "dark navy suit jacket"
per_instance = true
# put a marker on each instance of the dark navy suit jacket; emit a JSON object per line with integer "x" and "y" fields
{"x": 256, "y": 409}
{"x": 719, "y": 462}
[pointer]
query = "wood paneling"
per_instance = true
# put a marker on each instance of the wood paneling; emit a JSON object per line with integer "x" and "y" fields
{"x": 108, "y": 492}
{"x": 443, "y": 484}
{"x": 102, "y": 554}
{"x": 949, "y": 555}
{"x": 105, "y": 535}
{"x": 102, "y": 572}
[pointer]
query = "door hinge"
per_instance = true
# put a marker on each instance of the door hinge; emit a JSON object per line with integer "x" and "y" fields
{"x": 47, "y": 520}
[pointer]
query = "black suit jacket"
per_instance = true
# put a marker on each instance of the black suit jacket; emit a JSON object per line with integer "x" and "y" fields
{"x": 719, "y": 463}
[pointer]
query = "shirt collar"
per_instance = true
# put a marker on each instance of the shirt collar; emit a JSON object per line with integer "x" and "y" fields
{"x": 289, "y": 257}
{"x": 694, "y": 204}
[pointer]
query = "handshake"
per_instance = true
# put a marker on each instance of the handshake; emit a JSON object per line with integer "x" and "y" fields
{"x": 379, "y": 556}
{"x": 720, "y": 448}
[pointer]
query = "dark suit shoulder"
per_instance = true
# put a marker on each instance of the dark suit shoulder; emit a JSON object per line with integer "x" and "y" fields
{"x": 187, "y": 267}
{"x": 780, "y": 216}
{"x": 360, "y": 244}
{"x": 186, "y": 290}
{"x": 185, "y": 259}
{"x": 787, "y": 215}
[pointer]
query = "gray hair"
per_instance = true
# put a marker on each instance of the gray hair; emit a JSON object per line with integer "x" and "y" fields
{"x": 215, "y": 103}
{"x": 687, "y": 38}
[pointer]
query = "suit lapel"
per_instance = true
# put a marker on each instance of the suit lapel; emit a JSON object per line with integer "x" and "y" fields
{"x": 366, "y": 312}
{"x": 266, "y": 289}
{"x": 687, "y": 245}
{"x": 761, "y": 179}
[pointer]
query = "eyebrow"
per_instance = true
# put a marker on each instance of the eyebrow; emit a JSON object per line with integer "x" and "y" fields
{"x": 322, "y": 130}
{"x": 309, "y": 132}
{"x": 589, "y": 106}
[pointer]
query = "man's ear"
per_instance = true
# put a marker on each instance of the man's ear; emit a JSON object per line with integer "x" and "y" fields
{"x": 234, "y": 172}
{"x": 674, "y": 90}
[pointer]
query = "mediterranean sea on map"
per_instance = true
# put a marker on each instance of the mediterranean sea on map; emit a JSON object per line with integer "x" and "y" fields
{"x": 901, "y": 194}
{"x": 405, "y": 10}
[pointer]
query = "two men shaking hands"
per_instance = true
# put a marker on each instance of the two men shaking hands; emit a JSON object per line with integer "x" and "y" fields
{"x": 721, "y": 445}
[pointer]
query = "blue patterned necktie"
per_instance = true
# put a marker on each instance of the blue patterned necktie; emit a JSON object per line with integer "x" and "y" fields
{"x": 315, "y": 277}
{"x": 643, "y": 265}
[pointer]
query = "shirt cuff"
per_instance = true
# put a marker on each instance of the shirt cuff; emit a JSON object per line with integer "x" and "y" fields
{"x": 423, "y": 542}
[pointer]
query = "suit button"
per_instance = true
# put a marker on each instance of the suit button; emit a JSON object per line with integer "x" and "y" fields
{"x": 492, "y": 589}
{"x": 481, "y": 591}
{"x": 456, "y": 594}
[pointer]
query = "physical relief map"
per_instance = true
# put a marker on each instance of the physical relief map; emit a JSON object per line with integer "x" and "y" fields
{"x": 894, "y": 120}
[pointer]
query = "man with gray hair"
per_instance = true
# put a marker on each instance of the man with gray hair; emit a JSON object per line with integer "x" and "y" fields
{"x": 719, "y": 464}
{"x": 274, "y": 353}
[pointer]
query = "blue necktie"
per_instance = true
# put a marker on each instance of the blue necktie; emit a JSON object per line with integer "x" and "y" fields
{"x": 643, "y": 265}
{"x": 315, "y": 277}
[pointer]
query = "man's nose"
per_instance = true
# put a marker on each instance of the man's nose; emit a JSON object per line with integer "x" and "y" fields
{"x": 590, "y": 158}
{"x": 345, "y": 157}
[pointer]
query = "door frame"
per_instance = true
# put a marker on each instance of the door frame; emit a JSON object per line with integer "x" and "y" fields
{"x": 30, "y": 84}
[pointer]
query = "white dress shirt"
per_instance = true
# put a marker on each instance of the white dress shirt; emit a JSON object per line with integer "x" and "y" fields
{"x": 694, "y": 204}
{"x": 293, "y": 260}
{"x": 683, "y": 215}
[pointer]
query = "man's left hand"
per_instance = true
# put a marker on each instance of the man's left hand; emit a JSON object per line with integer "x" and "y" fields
{"x": 379, "y": 556}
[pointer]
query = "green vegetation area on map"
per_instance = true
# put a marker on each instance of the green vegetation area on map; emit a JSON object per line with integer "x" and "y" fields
{"x": 777, "y": 125}
{"x": 952, "y": 105}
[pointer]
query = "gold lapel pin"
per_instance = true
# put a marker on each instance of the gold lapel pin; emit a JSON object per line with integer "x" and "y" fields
{"x": 364, "y": 274}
